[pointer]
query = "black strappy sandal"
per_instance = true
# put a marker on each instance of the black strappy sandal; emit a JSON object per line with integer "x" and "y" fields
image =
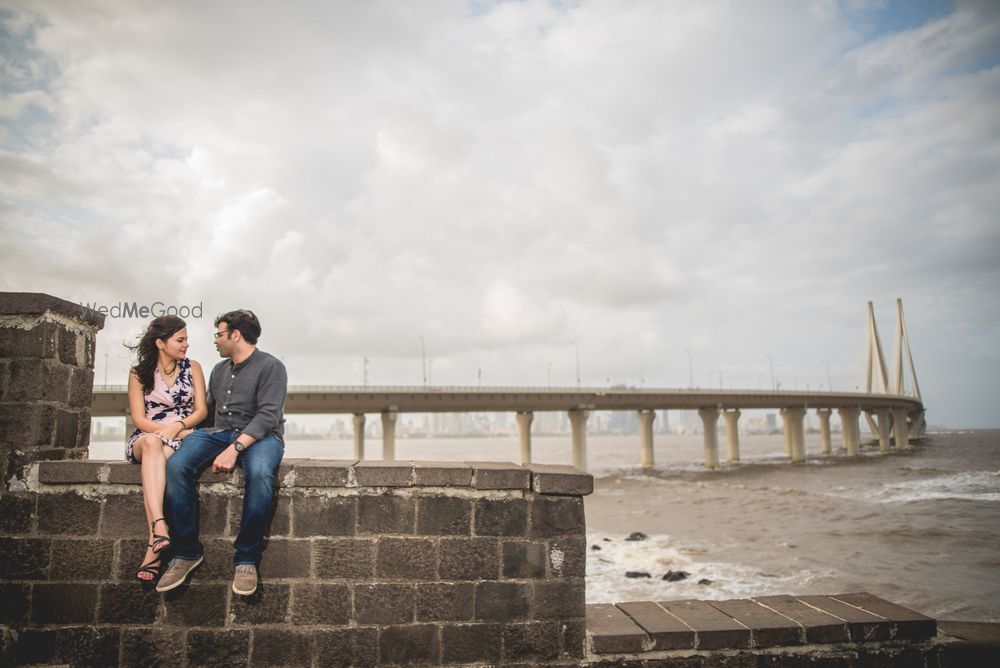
{"x": 152, "y": 567}
{"x": 159, "y": 542}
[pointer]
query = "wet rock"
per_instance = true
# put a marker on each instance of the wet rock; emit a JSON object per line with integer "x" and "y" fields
{"x": 607, "y": 540}
{"x": 676, "y": 576}
{"x": 595, "y": 547}
{"x": 637, "y": 574}
{"x": 704, "y": 581}
{"x": 637, "y": 535}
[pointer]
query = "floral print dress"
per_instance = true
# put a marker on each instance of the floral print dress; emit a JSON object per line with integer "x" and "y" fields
{"x": 166, "y": 405}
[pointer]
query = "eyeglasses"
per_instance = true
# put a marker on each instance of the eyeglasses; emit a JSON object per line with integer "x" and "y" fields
{"x": 218, "y": 334}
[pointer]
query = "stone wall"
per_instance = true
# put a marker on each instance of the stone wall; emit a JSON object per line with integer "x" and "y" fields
{"x": 367, "y": 562}
{"x": 46, "y": 380}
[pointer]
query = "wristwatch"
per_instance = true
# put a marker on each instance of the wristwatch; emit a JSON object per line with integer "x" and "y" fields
{"x": 239, "y": 446}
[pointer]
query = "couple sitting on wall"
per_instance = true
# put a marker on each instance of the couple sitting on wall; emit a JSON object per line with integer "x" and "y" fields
{"x": 168, "y": 403}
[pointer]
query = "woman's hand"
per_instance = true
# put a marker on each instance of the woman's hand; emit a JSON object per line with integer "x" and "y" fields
{"x": 171, "y": 431}
{"x": 184, "y": 433}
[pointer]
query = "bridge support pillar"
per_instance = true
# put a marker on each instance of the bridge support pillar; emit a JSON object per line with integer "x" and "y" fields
{"x": 710, "y": 421}
{"x": 824, "y": 430}
{"x": 359, "y": 435}
{"x": 883, "y": 424}
{"x": 795, "y": 436}
{"x": 578, "y": 421}
{"x": 524, "y": 419}
{"x": 389, "y": 435}
{"x": 646, "y": 418}
{"x": 732, "y": 418}
{"x": 900, "y": 429}
{"x": 849, "y": 429}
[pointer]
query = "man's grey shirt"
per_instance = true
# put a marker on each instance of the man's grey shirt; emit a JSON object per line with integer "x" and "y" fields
{"x": 249, "y": 396}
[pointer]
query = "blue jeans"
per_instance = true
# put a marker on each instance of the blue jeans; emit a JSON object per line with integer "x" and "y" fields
{"x": 260, "y": 465}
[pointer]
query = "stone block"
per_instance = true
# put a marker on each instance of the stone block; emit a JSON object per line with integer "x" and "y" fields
{"x": 612, "y": 631}
{"x": 28, "y": 425}
{"x": 218, "y": 648}
{"x": 124, "y": 473}
{"x": 63, "y": 603}
{"x": 522, "y": 559}
{"x": 32, "y": 380}
{"x": 152, "y": 647}
{"x": 469, "y": 559}
{"x": 386, "y": 514}
{"x": 345, "y": 558}
{"x": 567, "y": 557}
{"x": 384, "y": 603}
{"x": 83, "y": 646}
{"x": 69, "y": 472}
{"x": 27, "y": 304}
{"x": 278, "y": 524}
{"x": 286, "y": 558}
{"x": 16, "y": 513}
{"x": 501, "y": 517}
{"x": 321, "y": 604}
{"x": 81, "y": 388}
{"x": 13, "y": 603}
{"x": 557, "y": 516}
{"x": 67, "y": 514}
{"x": 499, "y": 475}
{"x": 124, "y": 516}
{"x": 82, "y": 559}
{"x": 574, "y": 638}
{"x": 218, "y": 563}
{"x": 471, "y": 643}
{"x": 67, "y": 429}
{"x": 714, "y": 628}
{"x": 324, "y": 516}
{"x": 560, "y": 479}
{"x": 33, "y": 646}
{"x": 39, "y": 341}
{"x": 665, "y": 631}
{"x": 416, "y": 643}
{"x": 347, "y": 647}
{"x": 332, "y": 473}
{"x": 906, "y": 624}
{"x": 24, "y": 558}
{"x": 445, "y": 602}
{"x": 444, "y": 516}
{"x": 442, "y": 474}
{"x": 281, "y": 647}
{"x": 128, "y": 603}
{"x": 68, "y": 348}
{"x": 559, "y": 599}
{"x": 129, "y": 554}
{"x": 533, "y": 641}
{"x": 213, "y": 511}
{"x": 767, "y": 628}
{"x": 501, "y": 601}
{"x": 405, "y": 558}
{"x": 267, "y": 605}
{"x": 194, "y": 604}
{"x": 373, "y": 473}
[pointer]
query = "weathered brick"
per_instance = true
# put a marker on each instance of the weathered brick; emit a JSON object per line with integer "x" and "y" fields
{"x": 67, "y": 515}
{"x": 345, "y": 558}
{"x": 347, "y": 647}
{"x": 321, "y": 604}
{"x": 27, "y": 424}
{"x": 128, "y": 604}
{"x": 37, "y": 380}
{"x": 281, "y": 647}
{"x": 278, "y": 524}
{"x": 81, "y": 388}
{"x": 445, "y": 602}
{"x": 574, "y": 638}
{"x": 34, "y": 646}
{"x": 409, "y": 644}
{"x": 63, "y": 603}
{"x": 501, "y": 517}
{"x": 375, "y": 473}
{"x": 444, "y": 515}
{"x": 469, "y": 559}
{"x": 124, "y": 473}
{"x": 567, "y": 557}
{"x": 24, "y": 558}
{"x": 522, "y": 559}
{"x": 267, "y": 605}
{"x": 218, "y": 563}
{"x": 212, "y": 511}
{"x": 67, "y": 429}
{"x": 39, "y": 341}
{"x": 535, "y": 640}
{"x": 322, "y": 516}
{"x": 408, "y": 558}
{"x": 67, "y": 348}
{"x": 501, "y": 601}
{"x": 557, "y": 516}
{"x": 68, "y": 472}
{"x": 152, "y": 647}
{"x": 384, "y": 603}
{"x": 83, "y": 646}
{"x": 218, "y": 648}
{"x": 560, "y": 599}
{"x": 442, "y": 474}
{"x": 195, "y": 604}
{"x": 124, "y": 517}
{"x": 13, "y": 603}
{"x": 386, "y": 514}
{"x": 286, "y": 559}
{"x": 499, "y": 475}
{"x": 560, "y": 479}
{"x": 327, "y": 473}
{"x": 81, "y": 559}
{"x": 468, "y": 643}
{"x": 129, "y": 555}
{"x": 16, "y": 513}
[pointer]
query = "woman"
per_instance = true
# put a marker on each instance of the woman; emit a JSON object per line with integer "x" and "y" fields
{"x": 166, "y": 397}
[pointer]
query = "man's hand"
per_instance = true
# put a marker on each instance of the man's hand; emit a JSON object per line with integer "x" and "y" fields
{"x": 226, "y": 461}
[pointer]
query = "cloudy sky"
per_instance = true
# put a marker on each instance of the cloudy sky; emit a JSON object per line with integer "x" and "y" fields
{"x": 666, "y": 188}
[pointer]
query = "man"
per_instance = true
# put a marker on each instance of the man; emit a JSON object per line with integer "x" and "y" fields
{"x": 246, "y": 394}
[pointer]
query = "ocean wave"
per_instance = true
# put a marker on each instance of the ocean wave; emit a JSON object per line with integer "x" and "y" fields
{"x": 966, "y": 486}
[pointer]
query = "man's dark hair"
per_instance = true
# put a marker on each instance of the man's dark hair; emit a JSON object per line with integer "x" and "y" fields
{"x": 242, "y": 321}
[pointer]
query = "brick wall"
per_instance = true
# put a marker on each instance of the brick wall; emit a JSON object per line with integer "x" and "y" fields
{"x": 46, "y": 380}
{"x": 378, "y": 562}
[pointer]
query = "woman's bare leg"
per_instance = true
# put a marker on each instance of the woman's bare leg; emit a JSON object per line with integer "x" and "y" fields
{"x": 152, "y": 456}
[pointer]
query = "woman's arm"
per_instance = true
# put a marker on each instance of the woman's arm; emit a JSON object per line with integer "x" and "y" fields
{"x": 137, "y": 406}
{"x": 178, "y": 430}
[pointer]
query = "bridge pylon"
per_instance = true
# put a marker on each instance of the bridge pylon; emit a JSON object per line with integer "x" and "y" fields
{"x": 877, "y": 379}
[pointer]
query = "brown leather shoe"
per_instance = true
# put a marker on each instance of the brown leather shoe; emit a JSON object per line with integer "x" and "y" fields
{"x": 177, "y": 572}
{"x": 245, "y": 579}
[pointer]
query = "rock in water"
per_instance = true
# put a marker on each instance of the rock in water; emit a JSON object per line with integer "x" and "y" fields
{"x": 676, "y": 576}
{"x": 637, "y": 574}
{"x": 637, "y": 535}
{"x": 595, "y": 547}
{"x": 704, "y": 581}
